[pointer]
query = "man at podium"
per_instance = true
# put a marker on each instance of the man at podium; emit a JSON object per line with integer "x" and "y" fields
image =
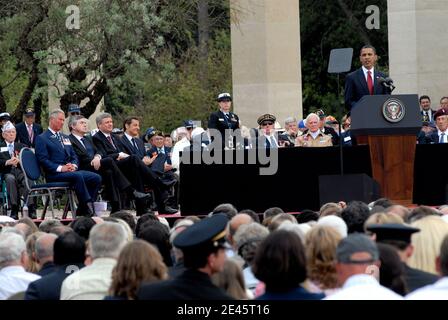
{"x": 366, "y": 80}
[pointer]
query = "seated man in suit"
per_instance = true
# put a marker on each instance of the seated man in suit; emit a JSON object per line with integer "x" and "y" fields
{"x": 89, "y": 159}
{"x": 12, "y": 173}
{"x": 60, "y": 163}
{"x": 365, "y": 80}
{"x": 131, "y": 161}
{"x": 28, "y": 130}
{"x": 425, "y": 109}
{"x": 266, "y": 137}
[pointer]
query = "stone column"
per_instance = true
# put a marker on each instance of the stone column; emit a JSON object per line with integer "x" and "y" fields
{"x": 266, "y": 71}
{"x": 418, "y": 47}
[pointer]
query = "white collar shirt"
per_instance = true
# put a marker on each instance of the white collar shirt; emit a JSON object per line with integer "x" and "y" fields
{"x": 364, "y": 70}
{"x": 436, "y": 291}
{"x": 14, "y": 279}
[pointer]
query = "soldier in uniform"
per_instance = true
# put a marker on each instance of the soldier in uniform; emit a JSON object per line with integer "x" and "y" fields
{"x": 203, "y": 247}
{"x": 399, "y": 236}
{"x": 266, "y": 132}
{"x": 224, "y": 119}
{"x": 314, "y": 137}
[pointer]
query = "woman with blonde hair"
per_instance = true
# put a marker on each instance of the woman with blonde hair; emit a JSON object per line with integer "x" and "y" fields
{"x": 321, "y": 243}
{"x": 138, "y": 262}
{"x": 427, "y": 242}
{"x": 33, "y": 265}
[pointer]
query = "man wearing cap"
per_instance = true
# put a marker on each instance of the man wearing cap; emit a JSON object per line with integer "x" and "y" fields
{"x": 4, "y": 117}
{"x": 399, "y": 237}
{"x": 441, "y": 134}
{"x": 357, "y": 270}
{"x": 365, "y": 80}
{"x": 72, "y": 110}
{"x": 12, "y": 173}
{"x": 203, "y": 247}
{"x": 266, "y": 130}
{"x": 314, "y": 137}
{"x": 55, "y": 154}
{"x": 223, "y": 119}
{"x": 28, "y": 130}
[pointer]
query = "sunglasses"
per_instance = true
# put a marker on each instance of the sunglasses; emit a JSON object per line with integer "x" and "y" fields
{"x": 268, "y": 123}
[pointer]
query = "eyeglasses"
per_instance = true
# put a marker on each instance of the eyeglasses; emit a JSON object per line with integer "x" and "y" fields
{"x": 269, "y": 123}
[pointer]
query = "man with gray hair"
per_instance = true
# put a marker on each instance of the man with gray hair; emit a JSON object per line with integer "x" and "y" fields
{"x": 92, "y": 282}
{"x": 44, "y": 253}
{"x": 13, "y": 258}
{"x": 314, "y": 137}
{"x": 357, "y": 269}
{"x": 288, "y": 138}
{"x": 60, "y": 163}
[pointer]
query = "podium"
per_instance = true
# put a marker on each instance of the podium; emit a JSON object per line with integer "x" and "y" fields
{"x": 389, "y": 125}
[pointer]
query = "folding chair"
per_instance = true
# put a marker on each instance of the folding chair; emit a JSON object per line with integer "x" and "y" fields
{"x": 3, "y": 198}
{"x": 31, "y": 170}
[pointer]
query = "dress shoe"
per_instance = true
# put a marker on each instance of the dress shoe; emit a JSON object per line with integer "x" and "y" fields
{"x": 32, "y": 212}
{"x": 166, "y": 210}
{"x": 14, "y": 216}
{"x": 140, "y": 195}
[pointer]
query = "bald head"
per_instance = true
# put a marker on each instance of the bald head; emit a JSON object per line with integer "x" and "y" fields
{"x": 44, "y": 248}
{"x": 236, "y": 222}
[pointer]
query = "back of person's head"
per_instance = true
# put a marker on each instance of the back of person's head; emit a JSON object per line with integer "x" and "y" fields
{"x": 248, "y": 238}
{"x": 307, "y": 216}
{"x": 427, "y": 242}
{"x": 48, "y": 224}
{"x": 126, "y": 216}
{"x": 383, "y": 202}
{"x": 12, "y": 247}
{"x": 226, "y": 208}
{"x": 32, "y": 266}
{"x": 421, "y": 212}
{"x": 157, "y": 235}
{"x": 127, "y": 228}
{"x": 44, "y": 247}
{"x": 69, "y": 249}
{"x": 392, "y": 271}
{"x": 300, "y": 229}
{"x": 280, "y": 261}
{"x": 58, "y": 230}
{"x": 106, "y": 240}
{"x": 82, "y": 226}
{"x": 355, "y": 215}
{"x": 236, "y": 222}
{"x": 278, "y": 219}
{"x": 137, "y": 263}
{"x": 330, "y": 208}
{"x": 251, "y": 213}
{"x": 271, "y": 212}
{"x": 334, "y": 222}
{"x": 382, "y": 218}
{"x": 443, "y": 258}
{"x": 321, "y": 243}
{"x": 231, "y": 280}
{"x": 30, "y": 223}
{"x": 399, "y": 210}
{"x": 142, "y": 220}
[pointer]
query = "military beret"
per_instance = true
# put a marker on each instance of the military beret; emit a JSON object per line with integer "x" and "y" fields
{"x": 440, "y": 112}
{"x": 207, "y": 233}
{"x": 225, "y": 96}
{"x": 266, "y": 117}
{"x": 392, "y": 231}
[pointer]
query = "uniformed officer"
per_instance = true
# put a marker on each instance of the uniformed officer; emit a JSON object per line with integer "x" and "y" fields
{"x": 203, "y": 246}
{"x": 223, "y": 119}
{"x": 266, "y": 128}
{"x": 314, "y": 137}
{"x": 399, "y": 236}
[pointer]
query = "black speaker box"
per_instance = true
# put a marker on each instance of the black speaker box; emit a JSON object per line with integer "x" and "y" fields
{"x": 349, "y": 187}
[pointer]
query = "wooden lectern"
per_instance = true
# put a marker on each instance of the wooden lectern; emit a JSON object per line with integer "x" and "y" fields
{"x": 389, "y": 125}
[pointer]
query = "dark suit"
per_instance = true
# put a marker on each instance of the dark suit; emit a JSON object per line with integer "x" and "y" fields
{"x": 49, "y": 286}
{"x": 113, "y": 179}
{"x": 51, "y": 154}
{"x": 47, "y": 268}
{"x": 356, "y": 87}
{"x": 434, "y": 137}
{"x": 220, "y": 122}
{"x": 430, "y": 116}
{"x": 190, "y": 285}
{"x": 133, "y": 167}
{"x": 416, "y": 279}
{"x": 23, "y": 136}
{"x": 13, "y": 176}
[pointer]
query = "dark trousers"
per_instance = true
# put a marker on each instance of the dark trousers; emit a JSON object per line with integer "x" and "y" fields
{"x": 15, "y": 186}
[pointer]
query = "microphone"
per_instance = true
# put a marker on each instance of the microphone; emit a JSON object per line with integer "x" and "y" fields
{"x": 387, "y": 82}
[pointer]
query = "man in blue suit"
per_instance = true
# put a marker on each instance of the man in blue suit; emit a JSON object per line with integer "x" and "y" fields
{"x": 60, "y": 163}
{"x": 365, "y": 80}
{"x": 28, "y": 130}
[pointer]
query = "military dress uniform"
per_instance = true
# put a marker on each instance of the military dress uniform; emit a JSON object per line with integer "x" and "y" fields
{"x": 205, "y": 237}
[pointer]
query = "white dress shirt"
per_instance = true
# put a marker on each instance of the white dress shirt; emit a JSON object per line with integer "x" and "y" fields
{"x": 445, "y": 136}
{"x": 372, "y": 73}
{"x": 14, "y": 279}
{"x": 363, "y": 287}
{"x": 175, "y": 155}
{"x": 436, "y": 291}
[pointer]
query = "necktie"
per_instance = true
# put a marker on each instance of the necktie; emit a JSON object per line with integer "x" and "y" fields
{"x": 273, "y": 142}
{"x": 161, "y": 150}
{"x": 229, "y": 123}
{"x": 109, "y": 138}
{"x": 134, "y": 144}
{"x": 87, "y": 146}
{"x": 11, "y": 149}
{"x": 370, "y": 82}
{"x": 58, "y": 136}
{"x": 30, "y": 133}
{"x": 426, "y": 117}
{"x": 442, "y": 137}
